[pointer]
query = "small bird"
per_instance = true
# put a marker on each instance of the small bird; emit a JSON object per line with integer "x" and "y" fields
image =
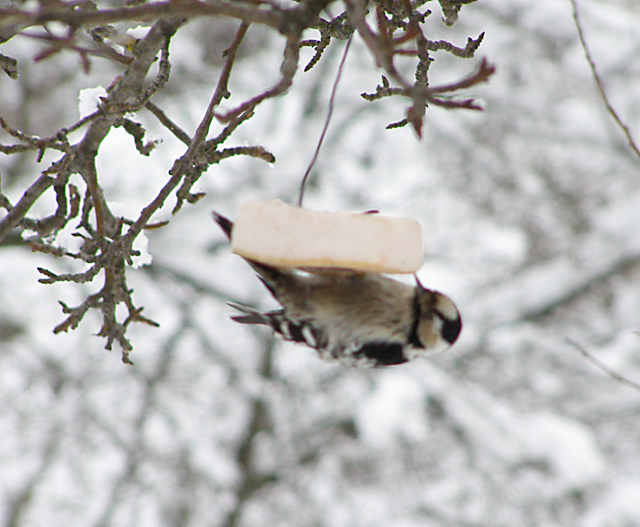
{"x": 355, "y": 319}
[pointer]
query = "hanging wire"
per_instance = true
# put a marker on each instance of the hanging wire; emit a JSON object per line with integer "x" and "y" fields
{"x": 303, "y": 184}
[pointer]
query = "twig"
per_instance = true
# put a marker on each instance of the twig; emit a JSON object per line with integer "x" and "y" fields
{"x": 287, "y": 72}
{"x": 209, "y": 146}
{"x": 326, "y": 122}
{"x": 463, "y": 53}
{"x": 137, "y": 131}
{"x": 19, "y": 210}
{"x": 383, "y": 90}
{"x": 82, "y": 122}
{"x": 105, "y": 247}
{"x": 252, "y": 151}
{"x": 58, "y": 220}
{"x": 58, "y": 44}
{"x": 185, "y": 163}
{"x": 164, "y": 70}
{"x": 420, "y": 94}
{"x": 168, "y": 123}
{"x": 384, "y": 46}
{"x": 319, "y": 45}
{"x": 14, "y": 149}
{"x": 611, "y": 373}
{"x": 5, "y": 203}
{"x": 58, "y": 141}
{"x": 596, "y": 76}
{"x": 383, "y": 54}
{"x": 484, "y": 73}
{"x": 338, "y": 28}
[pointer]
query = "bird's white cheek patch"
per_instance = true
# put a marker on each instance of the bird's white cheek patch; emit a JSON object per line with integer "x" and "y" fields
{"x": 446, "y": 308}
{"x": 415, "y": 353}
{"x": 429, "y": 334}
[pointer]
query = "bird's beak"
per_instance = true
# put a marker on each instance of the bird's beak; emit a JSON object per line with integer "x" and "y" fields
{"x": 419, "y": 283}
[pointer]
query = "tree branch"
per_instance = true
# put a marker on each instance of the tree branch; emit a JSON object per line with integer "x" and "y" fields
{"x": 20, "y": 209}
{"x": 611, "y": 373}
{"x": 248, "y": 11}
{"x": 600, "y": 85}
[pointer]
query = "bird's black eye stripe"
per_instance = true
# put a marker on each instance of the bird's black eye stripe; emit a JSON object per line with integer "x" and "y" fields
{"x": 450, "y": 329}
{"x": 413, "y": 338}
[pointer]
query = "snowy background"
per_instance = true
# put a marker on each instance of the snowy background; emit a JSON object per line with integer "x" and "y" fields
{"x": 531, "y": 220}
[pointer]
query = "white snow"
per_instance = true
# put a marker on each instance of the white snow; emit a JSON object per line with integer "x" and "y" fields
{"x": 395, "y": 409}
{"x": 89, "y": 99}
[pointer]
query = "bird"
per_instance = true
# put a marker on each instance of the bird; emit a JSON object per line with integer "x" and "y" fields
{"x": 352, "y": 318}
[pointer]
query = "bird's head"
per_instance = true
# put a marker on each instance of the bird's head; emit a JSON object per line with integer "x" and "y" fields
{"x": 438, "y": 322}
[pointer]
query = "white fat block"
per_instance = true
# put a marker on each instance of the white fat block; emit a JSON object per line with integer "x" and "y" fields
{"x": 284, "y": 236}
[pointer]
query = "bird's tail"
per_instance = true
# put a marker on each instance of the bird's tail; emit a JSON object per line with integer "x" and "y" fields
{"x": 270, "y": 276}
{"x": 225, "y": 223}
{"x": 288, "y": 329}
{"x": 250, "y": 316}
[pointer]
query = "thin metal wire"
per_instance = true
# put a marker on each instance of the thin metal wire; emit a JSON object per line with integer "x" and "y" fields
{"x": 326, "y": 123}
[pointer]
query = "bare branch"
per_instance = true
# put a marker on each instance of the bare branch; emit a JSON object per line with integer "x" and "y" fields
{"x": 57, "y": 142}
{"x": 463, "y": 53}
{"x": 384, "y": 46}
{"x": 184, "y": 165}
{"x": 137, "y": 131}
{"x": 251, "y": 151}
{"x": 210, "y": 145}
{"x": 483, "y": 74}
{"x": 421, "y": 95}
{"x": 18, "y": 211}
{"x": 287, "y": 72}
{"x": 611, "y": 373}
{"x": 383, "y": 53}
{"x": 168, "y": 123}
{"x": 249, "y": 11}
{"x": 600, "y": 85}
